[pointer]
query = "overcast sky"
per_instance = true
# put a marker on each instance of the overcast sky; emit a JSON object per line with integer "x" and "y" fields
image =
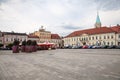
{"x": 57, "y": 16}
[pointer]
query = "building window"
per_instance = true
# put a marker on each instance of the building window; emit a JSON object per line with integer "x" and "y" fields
{"x": 89, "y": 38}
{"x": 11, "y": 39}
{"x": 92, "y": 38}
{"x": 86, "y": 38}
{"x": 104, "y": 37}
{"x": 0, "y": 40}
{"x": 108, "y": 37}
{"x": 82, "y": 39}
{"x": 100, "y": 37}
{"x": 73, "y": 39}
{"x": 111, "y": 36}
{"x": 119, "y": 36}
{"x": 6, "y": 39}
{"x": 96, "y": 38}
{"x": 111, "y": 43}
{"x": 104, "y": 42}
{"x": 108, "y": 43}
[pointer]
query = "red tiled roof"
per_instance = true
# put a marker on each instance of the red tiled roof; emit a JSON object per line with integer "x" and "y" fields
{"x": 116, "y": 28}
{"x": 55, "y": 36}
{"x": 32, "y": 36}
{"x": 91, "y": 31}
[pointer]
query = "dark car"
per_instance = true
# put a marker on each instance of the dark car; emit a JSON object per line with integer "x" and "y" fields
{"x": 105, "y": 47}
{"x": 112, "y": 47}
{"x": 118, "y": 47}
{"x": 5, "y": 48}
{"x": 90, "y": 47}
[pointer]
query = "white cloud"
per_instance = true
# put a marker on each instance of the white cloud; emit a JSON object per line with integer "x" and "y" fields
{"x": 29, "y": 15}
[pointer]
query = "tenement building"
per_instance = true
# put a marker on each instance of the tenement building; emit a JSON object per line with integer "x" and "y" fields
{"x": 7, "y": 38}
{"x": 47, "y": 36}
{"x": 100, "y": 35}
{"x": 44, "y": 36}
{"x": 33, "y": 38}
{"x": 55, "y": 38}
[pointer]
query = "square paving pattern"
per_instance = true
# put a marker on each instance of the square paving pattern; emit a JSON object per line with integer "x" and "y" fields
{"x": 61, "y": 64}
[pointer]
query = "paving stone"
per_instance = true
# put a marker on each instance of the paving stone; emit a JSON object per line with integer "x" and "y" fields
{"x": 61, "y": 64}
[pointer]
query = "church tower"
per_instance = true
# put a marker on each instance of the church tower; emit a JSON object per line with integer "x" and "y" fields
{"x": 98, "y": 22}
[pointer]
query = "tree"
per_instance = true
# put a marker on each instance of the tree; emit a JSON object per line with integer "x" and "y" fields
{"x": 1, "y": 45}
{"x": 16, "y": 42}
{"x": 10, "y": 46}
{"x": 29, "y": 42}
{"x": 24, "y": 43}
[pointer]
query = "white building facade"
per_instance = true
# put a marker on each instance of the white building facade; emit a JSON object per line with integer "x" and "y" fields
{"x": 94, "y": 36}
{"x": 9, "y": 37}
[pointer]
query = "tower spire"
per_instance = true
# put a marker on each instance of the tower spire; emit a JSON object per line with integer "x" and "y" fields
{"x": 98, "y": 22}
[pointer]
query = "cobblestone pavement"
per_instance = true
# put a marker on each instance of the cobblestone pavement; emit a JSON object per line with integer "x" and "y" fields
{"x": 61, "y": 64}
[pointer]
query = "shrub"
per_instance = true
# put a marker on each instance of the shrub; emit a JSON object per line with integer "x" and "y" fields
{"x": 24, "y": 43}
{"x": 1, "y": 45}
{"x": 16, "y": 42}
{"x": 29, "y": 42}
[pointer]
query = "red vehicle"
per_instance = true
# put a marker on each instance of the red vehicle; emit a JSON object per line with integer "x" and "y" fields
{"x": 85, "y": 47}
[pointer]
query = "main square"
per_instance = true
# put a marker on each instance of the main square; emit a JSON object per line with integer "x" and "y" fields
{"x": 61, "y": 64}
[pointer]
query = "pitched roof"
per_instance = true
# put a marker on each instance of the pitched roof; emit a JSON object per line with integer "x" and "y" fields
{"x": 116, "y": 28}
{"x": 55, "y": 36}
{"x": 92, "y": 31}
{"x": 13, "y": 33}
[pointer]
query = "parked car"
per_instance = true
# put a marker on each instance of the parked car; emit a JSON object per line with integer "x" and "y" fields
{"x": 80, "y": 47}
{"x": 96, "y": 47}
{"x": 5, "y": 48}
{"x": 118, "y": 47}
{"x": 112, "y": 47}
{"x": 76, "y": 47}
{"x": 104, "y": 47}
{"x": 90, "y": 47}
{"x": 68, "y": 47}
{"x": 85, "y": 46}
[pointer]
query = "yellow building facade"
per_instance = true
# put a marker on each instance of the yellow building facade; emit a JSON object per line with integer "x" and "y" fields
{"x": 47, "y": 36}
{"x": 44, "y": 36}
